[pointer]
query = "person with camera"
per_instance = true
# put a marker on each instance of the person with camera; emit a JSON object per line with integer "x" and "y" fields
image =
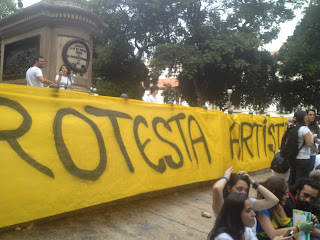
{"x": 63, "y": 79}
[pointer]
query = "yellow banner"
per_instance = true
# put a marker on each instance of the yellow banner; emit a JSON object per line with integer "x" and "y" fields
{"x": 64, "y": 150}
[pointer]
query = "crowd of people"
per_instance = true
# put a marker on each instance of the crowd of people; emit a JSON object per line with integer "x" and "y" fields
{"x": 34, "y": 76}
{"x": 270, "y": 214}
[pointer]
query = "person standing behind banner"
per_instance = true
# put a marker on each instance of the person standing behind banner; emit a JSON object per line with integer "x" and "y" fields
{"x": 34, "y": 75}
{"x": 314, "y": 128}
{"x": 301, "y": 164}
{"x": 153, "y": 96}
{"x": 63, "y": 79}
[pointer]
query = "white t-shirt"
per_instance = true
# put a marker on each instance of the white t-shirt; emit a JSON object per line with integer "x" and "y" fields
{"x": 248, "y": 235}
{"x": 150, "y": 98}
{"x": 65, "y": 81}
{"x": 32, "y": 75}
{"x": 305, "y": 150}
{"x": 254, "y": 228}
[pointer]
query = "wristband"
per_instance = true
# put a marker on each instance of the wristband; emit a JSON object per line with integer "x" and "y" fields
{"x": 297, "y": 229}
{"x": 225, "y": 178}
{"x": 255, "y": 185}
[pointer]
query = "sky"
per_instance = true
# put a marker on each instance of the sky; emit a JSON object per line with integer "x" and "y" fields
{"x": 286, "y": 28}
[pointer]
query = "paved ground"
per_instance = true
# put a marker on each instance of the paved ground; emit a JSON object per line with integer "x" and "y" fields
{"x": 175, "y": 215}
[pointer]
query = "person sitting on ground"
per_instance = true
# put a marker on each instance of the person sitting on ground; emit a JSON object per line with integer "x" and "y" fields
{"x": 301, "y": 195}
{"x": 236, "y": 219}
{"x": 274, "y": 221}
{"x": 315, "y": 205}
{"x": 240, "y": 183}
{"x": 63, "y": 79}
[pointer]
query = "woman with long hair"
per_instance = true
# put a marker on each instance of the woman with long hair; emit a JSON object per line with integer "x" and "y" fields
{"x": 299, "y": 167}
{"x": 274, "y": 221}
{"x": 240, "y": 183}
{"x": 63, "y": 79}
{"x": 314, "y": 128}
{"x": 236, "y": 219}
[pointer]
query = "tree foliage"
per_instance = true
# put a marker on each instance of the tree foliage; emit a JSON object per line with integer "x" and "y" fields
{"x": 7, "y": 7}
{"x": 171, "y": 94}
{"x": 115, "y": 71}
{"x": 222, "y": 50}
{"x": 300, "y": 63}
{"x": 135, "y": 28}
{"x": 216, "y": 44}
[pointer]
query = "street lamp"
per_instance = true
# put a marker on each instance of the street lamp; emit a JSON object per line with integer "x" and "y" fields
{"x": 229, "y": 91}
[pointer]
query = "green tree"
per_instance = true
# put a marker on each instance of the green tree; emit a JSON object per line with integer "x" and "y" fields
{"x": 7, "y": 7}
{"x": 300, "y": 63}
{"x": 115, "y": 71}
{"x": 222, "y": 49}
{"x": 216, "y": 44}
{"x": 171, "y": 94}
{"x": 135, "y": 27}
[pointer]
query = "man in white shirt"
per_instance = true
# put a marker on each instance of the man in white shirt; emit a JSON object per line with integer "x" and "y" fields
{"x": 153, "y": 96}
{"x": 34, "y": 75}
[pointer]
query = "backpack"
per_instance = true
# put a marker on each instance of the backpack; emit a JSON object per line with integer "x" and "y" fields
{"x": 289, "y": 143}
{"x": 279, "y": 164}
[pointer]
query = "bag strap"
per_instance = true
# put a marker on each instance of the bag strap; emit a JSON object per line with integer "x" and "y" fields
{"x": 301, "y": 146}
{"x": 292, "y": 198}
{"x": 68, "y": 81}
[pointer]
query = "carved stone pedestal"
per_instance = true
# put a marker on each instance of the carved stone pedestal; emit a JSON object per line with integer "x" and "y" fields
{"x": 60, "y": 31}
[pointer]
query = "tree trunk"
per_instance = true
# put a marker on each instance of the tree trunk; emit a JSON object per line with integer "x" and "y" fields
{"x": 199, "y": 91}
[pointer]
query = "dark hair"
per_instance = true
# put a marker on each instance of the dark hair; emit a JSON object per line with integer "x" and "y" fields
{"x": 153, "y": 88}
{"x": 313, "y": 126}
{"x": 277, "y": 185}
{"x": 315, "y": 175}
{"x": 311, "y": 110}
{"x": 37, "y": 58}
{"x": 234, "y": 178}
{"x": 63, "y": 65}
{"x": 299, "y": 115}
{"x": 229, "y": 219}
{"x": 299, "y": 185}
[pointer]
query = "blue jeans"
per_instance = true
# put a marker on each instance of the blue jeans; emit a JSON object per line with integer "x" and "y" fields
{"x": 312, "y": 161}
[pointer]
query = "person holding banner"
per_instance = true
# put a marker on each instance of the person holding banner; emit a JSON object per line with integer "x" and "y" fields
{"x": 34, "y": 75}
{"x": 236, "y": 219}
{"x": 63, "y": 79}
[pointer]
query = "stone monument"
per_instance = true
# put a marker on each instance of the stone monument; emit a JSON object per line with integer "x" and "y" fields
{"x": 60, "y": 31}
